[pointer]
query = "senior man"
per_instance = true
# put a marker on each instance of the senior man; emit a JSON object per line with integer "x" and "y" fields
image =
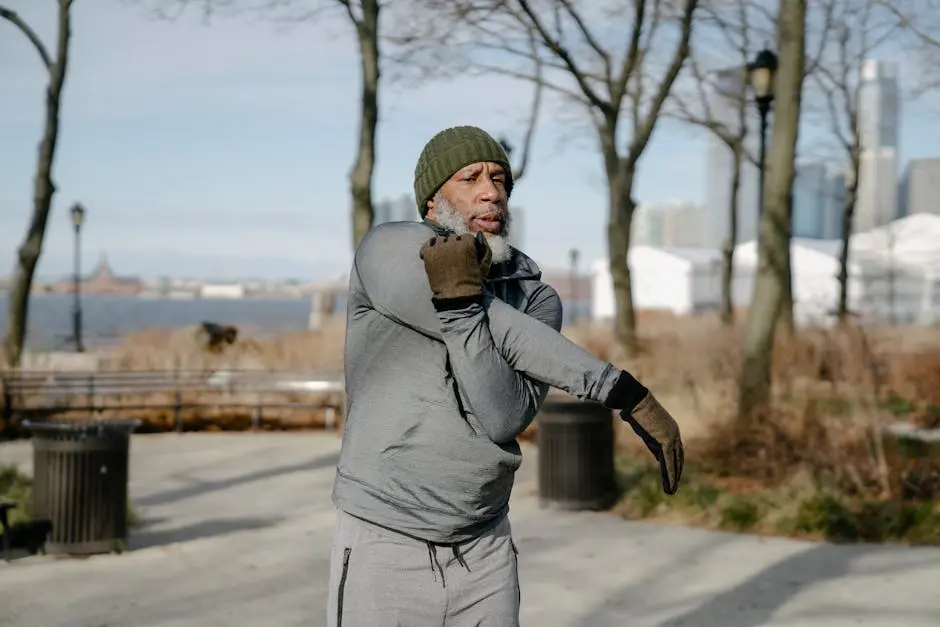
{"x": 452, "y": 343}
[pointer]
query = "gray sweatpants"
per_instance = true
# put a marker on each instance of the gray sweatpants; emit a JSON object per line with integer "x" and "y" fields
{"x": 379, "y": 578}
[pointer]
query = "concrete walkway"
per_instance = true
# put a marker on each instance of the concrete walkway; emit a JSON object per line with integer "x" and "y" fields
{"x": 236, "y": 529}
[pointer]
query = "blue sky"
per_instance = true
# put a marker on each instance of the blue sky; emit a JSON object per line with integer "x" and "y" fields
{"x": 223, "y": 150}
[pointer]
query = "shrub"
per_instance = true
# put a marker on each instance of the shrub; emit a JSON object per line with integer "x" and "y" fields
{"x": 17, "y": 488}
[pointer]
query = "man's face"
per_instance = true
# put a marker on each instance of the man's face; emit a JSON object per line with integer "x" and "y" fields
{"x": 478, "y": 194}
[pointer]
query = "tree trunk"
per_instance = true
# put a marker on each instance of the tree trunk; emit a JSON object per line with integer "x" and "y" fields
{"x": 774, "y": 249}
{"x": 43, "y": 190}
{"x": 618, "y": 244}
{"x": 727, "y": 270}
{"x": 785, "y": 320}
{"x": 848, "y": 217}
{"x": 360, "y": 177}
{"x": 619, "y": 174}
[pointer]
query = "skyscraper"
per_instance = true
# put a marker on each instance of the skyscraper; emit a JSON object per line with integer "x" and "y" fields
{"x": 809, "y": 201}
{"x": 879, "y": 131}
{"x": 921, "y": 188}
{"x": 724, "y": 108}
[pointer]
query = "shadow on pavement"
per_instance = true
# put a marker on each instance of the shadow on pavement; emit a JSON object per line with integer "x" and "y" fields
{"x": 751, "y": 603}
{"x": 204, "y": 529}
{"x": 203, "y": 487}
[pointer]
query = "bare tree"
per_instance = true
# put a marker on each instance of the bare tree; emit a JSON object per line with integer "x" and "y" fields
{"x": 920, "y": 20}
{"x": 859, "y": 28}
{"x": 621, "y": 85}
{"x": 364, "y": 16}
{"x": 43, "y": 187}
{"x": 725, "y": 44}
{"x": 774, "y": 236}
{"x": 429, "y": 50}
{"x": 721, "y": 51}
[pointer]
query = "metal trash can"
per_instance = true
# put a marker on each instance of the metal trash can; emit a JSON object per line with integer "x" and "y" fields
{"x": 575, "y": 454}
{"x": 80, "y": 476}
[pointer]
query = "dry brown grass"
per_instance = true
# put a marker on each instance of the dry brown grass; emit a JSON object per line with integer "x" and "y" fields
{"x": 320, "y": 350}
{"x": 834, "y": 392}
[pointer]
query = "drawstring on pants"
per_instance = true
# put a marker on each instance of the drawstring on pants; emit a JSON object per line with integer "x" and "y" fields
{"x": 435, "y": 562}
{"x": 432, "y": 550}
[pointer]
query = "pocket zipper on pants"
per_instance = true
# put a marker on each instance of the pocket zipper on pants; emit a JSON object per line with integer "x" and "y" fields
{"x": 342, "y": 587}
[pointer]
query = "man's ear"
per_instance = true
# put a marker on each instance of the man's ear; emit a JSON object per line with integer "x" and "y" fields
{"x": 430, "y": 205}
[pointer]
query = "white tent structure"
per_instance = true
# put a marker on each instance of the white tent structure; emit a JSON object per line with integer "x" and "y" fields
{"x": 894, "y": 274}
{"x": 814, "y": 266}
{"x": 908, "y": 251}
{"x": 680, "y": 280}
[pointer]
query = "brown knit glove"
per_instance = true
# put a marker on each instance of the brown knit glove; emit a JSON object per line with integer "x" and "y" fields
{"x": 660, "y": 433}
{"x": 456, "y": 267}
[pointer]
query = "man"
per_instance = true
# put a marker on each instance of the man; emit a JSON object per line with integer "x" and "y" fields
{"x": 452, "y": 343}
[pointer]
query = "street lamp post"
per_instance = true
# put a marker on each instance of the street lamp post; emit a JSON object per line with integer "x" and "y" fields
{"x": 573, "y": 256}
{"x": 78, "y": 218}
{"x": 761, "y": 74}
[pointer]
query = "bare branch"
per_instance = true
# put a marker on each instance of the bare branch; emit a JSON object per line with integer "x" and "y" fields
{"x": 588, "y": 37}
{"x": 499, "y": 70}
{"x": 641, "y": 134}
{"x": 632, "y": 57}
{"x": 855, "y": 30}
{"x": 14, "y": 18}
{"x": 520, "y": 169}
{"x": 555, "y": 46}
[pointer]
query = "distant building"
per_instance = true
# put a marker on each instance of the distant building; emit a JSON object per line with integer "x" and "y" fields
{"x": 669, "y": 225}
{"x": 682, "y": 281}
{"x": 879, "y": 121}
{"x": 818, "y": 196}
{"x": 222, "y": 291}
{"x": 403, "y": 209}
{"x": 809, "y": 193}
{"x": 920, "y": 192}
{"x": 102, "y": 280}
{"x": 575, "y": 291}
{"x": 834, "y": 202}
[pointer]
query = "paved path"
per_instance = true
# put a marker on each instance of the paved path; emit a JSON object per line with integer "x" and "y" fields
{"x": 236, "y": 529}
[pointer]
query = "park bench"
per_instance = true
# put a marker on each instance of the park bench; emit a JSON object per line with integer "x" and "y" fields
{"x": 43, "y": 394}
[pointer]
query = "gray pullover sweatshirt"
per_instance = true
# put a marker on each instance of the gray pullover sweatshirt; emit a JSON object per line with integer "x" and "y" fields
{"x": 436, "y": 400}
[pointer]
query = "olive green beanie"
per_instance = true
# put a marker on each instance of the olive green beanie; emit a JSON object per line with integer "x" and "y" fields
{"x": 449, "y": 151}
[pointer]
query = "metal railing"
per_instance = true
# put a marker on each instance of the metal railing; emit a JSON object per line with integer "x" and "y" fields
{"x": 41, "y": 394}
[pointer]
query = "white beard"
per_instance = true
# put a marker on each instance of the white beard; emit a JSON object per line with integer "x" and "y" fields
{"x": 447, "y": 216}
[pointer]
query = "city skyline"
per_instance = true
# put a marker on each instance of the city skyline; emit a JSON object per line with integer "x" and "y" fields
{"x": 197, "y": 162}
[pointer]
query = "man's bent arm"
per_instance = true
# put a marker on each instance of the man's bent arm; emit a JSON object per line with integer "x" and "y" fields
{"x": 390, "y": 272}
{"x": 503, "y": 401}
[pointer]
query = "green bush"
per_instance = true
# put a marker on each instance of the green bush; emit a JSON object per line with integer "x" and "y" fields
{"x": 839, "y": 520}
{"x": 18, "y": 488}
{"x": 799, "y": 508}
{"x": 740, "y": 513}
